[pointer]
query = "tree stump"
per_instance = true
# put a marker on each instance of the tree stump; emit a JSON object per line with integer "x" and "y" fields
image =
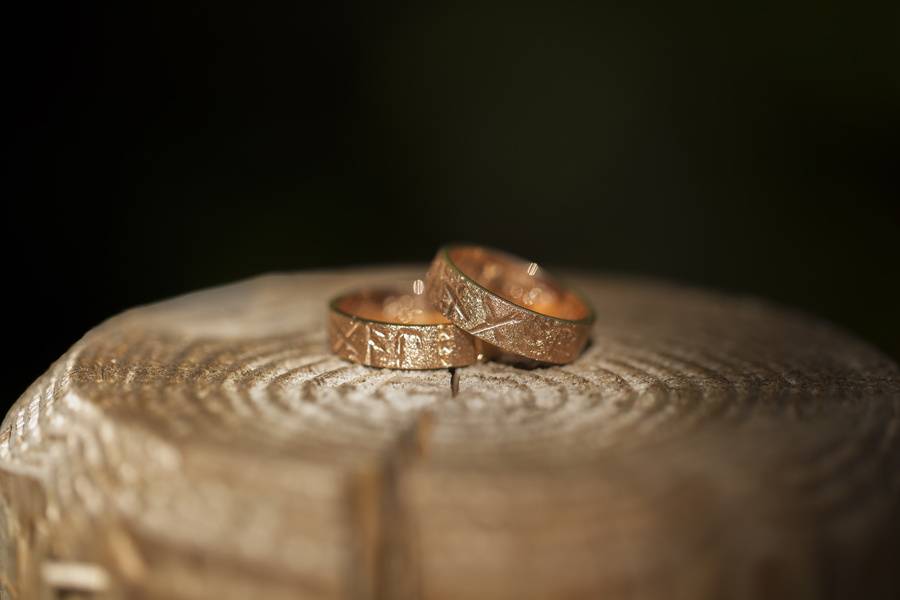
{"x": 210, "y": 446}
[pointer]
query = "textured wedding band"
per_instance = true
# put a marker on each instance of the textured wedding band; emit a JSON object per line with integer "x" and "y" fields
{"x": 398, "y": 329}
{"x": 509, "y": 302}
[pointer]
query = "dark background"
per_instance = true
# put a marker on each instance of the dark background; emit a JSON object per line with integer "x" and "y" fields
{"x": 154, "y": 150}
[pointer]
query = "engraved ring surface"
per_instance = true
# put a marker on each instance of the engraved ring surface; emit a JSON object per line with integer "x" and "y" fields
{"x": 509, "y": 302}
{"x": 398, "y": 329}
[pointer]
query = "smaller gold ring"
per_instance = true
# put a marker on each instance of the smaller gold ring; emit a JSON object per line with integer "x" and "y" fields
{"x": 395, "y": 328}
{"x": 509, "y": 302}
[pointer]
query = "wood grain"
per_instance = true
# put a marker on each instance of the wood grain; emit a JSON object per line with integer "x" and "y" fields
{"x": 209, "y": 446}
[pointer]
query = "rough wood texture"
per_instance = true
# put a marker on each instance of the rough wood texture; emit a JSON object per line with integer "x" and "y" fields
{"x": 210, "y": 447}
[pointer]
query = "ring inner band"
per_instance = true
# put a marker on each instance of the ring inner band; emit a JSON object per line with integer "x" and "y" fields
{"x": 389, "y": 306}
{"x": 521, "y": 282}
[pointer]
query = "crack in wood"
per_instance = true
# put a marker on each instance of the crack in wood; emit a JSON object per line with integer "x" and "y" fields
{"x": 385, "y": 564}
{"x": 454, "y": 382}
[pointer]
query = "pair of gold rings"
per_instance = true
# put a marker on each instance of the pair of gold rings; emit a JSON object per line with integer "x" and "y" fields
{"x": 473, "y": 303}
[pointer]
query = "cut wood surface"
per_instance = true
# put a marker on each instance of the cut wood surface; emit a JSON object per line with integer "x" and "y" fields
{"x": 210, "y": 446}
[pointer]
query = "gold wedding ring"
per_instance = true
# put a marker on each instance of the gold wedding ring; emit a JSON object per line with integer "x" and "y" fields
{"x": 397, "y": 328}
{"x": 509, "y": 302}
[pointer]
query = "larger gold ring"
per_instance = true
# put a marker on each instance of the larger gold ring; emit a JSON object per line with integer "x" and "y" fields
{"x": 509, "y": 302}
{"x": 398, "y": 329}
